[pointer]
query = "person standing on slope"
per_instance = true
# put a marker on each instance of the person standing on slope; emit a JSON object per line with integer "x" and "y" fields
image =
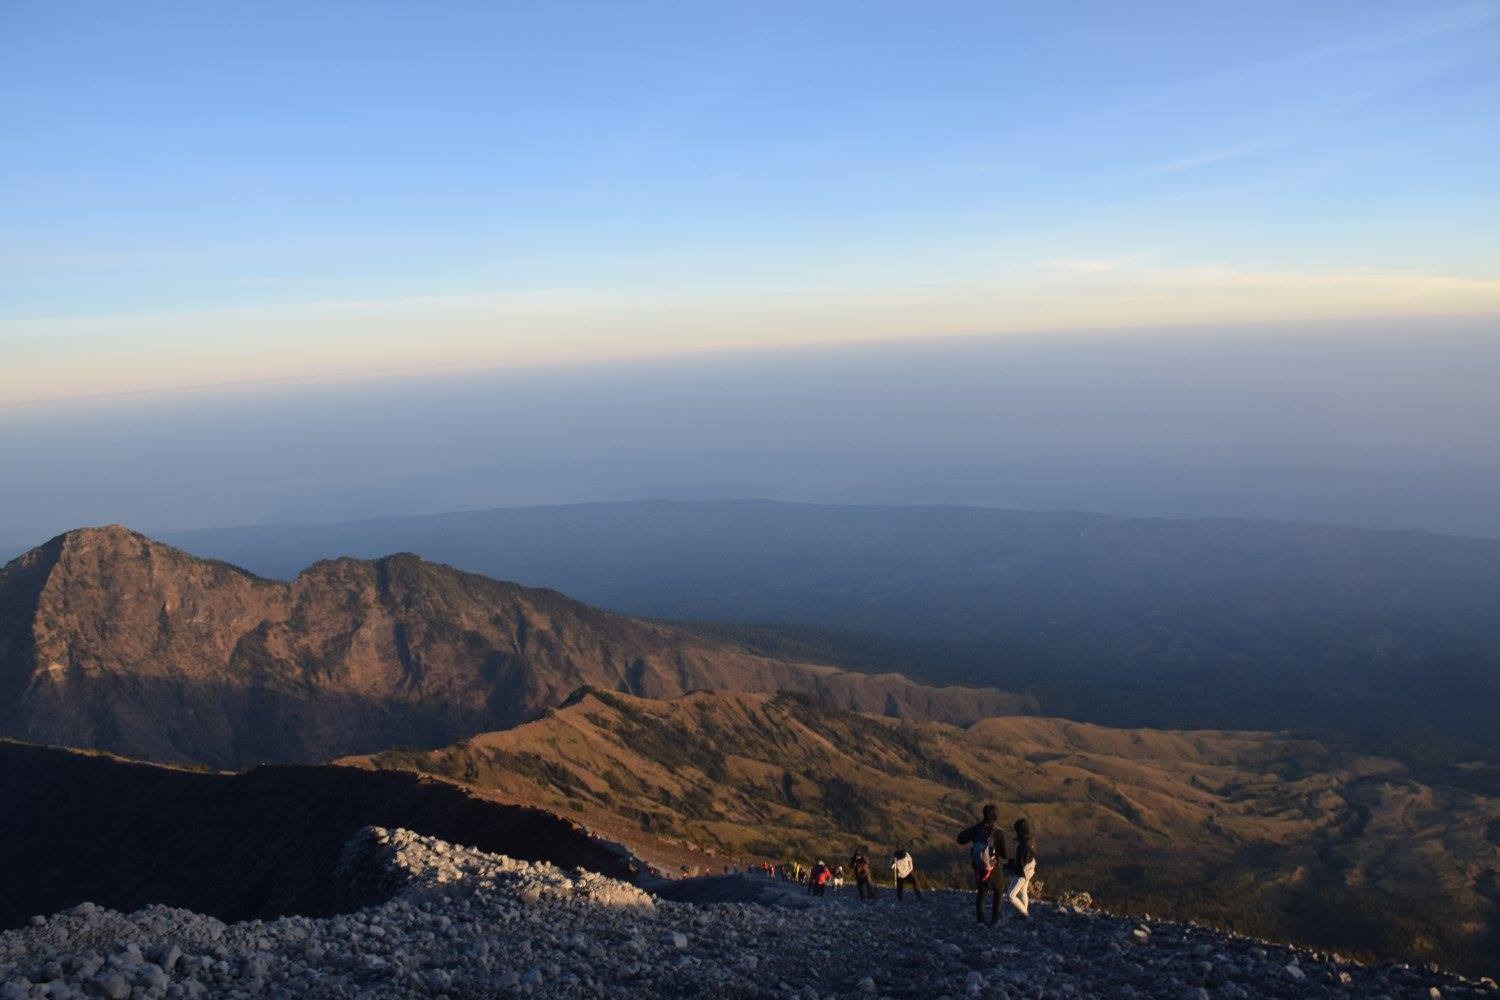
{"x": 986, "y": 850}
{"x": 859, "y": 861}
{"x": 1022, "y": 867}
{"x": 904, "y": 870}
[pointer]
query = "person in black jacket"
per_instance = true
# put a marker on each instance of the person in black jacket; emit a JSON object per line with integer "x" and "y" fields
{"x": 986, "y": 850}
{"x": 1022, "y": 867}
{"x": 859, "y": 861}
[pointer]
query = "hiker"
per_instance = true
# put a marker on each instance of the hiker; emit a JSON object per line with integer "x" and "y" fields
{"x": 1022, "y": 867}
{"x": 818, "y": 879}
{"x": 838, "y": 877}
{"x": 986, "y": 848}
{"x": 859, "y": 862}
{"x": 904, "y": 870}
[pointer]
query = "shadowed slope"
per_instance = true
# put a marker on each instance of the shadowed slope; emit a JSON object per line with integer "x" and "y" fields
{"x": 86, "y": 827}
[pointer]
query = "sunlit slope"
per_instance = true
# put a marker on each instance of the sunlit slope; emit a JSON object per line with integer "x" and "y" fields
{"x": 1256, "y": 831}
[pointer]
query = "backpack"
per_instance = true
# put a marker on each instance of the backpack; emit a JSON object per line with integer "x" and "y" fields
{"x": 982, "y": 857}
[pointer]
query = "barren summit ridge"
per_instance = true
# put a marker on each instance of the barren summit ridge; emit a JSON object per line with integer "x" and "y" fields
{"x": 114, "y": 641}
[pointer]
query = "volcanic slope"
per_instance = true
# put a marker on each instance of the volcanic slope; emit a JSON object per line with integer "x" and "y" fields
{"x": 110, "y": 640}
{"x": 1258, "y": 832}
{"x": 460, "y": 923}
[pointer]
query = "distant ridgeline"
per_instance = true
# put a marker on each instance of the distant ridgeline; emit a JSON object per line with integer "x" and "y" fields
{"x": 1390, "y": 638}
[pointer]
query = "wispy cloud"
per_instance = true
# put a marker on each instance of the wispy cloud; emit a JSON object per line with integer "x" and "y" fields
{"x": 1206, "y": 159}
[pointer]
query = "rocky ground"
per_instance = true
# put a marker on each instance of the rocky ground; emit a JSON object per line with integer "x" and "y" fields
{"x": 456, "y": 922}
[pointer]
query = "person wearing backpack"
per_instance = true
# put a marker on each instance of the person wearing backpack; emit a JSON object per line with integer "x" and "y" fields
{"x": 904, "y": 870}
{"x": 859, "y": 861}
{"x": 1022, "y": 867}
{"x": 986, "y": 849}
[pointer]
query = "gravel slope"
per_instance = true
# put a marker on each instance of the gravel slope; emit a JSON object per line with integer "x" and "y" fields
{"x": 461, "y": 923}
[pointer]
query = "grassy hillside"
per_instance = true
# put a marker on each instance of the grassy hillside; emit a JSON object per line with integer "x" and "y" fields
{"x": 1256, "y": 832}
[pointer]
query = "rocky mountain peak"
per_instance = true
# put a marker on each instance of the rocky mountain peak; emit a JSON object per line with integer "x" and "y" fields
{"x": 113, "y": 641}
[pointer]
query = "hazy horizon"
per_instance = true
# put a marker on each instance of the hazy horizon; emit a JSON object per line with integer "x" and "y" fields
{"x": 1372, "y": 424}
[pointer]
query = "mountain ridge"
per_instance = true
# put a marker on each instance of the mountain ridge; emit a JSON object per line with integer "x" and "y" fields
{"x": 1390, "y": 637}
{"x": 109, "y": 639}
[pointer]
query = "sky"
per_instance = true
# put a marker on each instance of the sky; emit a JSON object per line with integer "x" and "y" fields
{"x": 196, "y": 195}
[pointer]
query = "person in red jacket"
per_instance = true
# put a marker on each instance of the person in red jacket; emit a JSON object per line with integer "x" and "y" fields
{"x": 818, "y": 879}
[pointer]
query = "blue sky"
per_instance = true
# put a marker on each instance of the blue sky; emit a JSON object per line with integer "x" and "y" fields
{"x": 198, "y": 193}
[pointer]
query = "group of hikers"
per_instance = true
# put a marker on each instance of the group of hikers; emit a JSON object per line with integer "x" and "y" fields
{"x": 989, "y": 857}
{"x": 986, "y": 849}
